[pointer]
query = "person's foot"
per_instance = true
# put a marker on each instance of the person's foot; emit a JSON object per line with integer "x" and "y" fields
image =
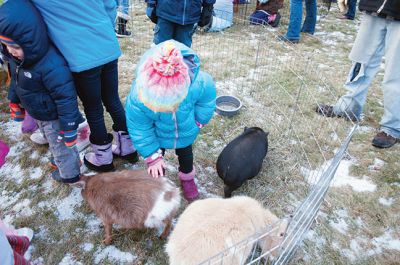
{"x": 38, "y": 138}
{"x": 327, "y": 111}
{"x": 285, "y": 39}
{"x": 384, "y": 140}
{"x": 344, "y": 17}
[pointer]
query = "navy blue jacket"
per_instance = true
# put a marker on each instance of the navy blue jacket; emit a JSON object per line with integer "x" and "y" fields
{"x": 42, "y": 81}
{"x": 182, "y": 12}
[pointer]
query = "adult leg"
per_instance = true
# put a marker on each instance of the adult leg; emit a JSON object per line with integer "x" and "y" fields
{"x": 390, "y": 122}
{"x": 311, "y": 17}
{"x": 109, "y": 94}
{"x": 296, "y": 16}
{"x": 351, "y": 11}
{"x": 184, "y": 34}
{"x": 366, "y": 54}
{"x": 164, "y": 30}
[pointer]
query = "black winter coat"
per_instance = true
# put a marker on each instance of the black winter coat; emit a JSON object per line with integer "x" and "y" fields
{"x": 383, "y": 8}
{"x": 42, "y": 82}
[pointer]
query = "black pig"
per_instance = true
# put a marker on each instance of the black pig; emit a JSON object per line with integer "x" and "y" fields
{"x": 242, "y": 158}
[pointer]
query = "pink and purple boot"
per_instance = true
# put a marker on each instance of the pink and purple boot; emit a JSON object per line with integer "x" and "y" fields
{"x": 123, "y": 147}
{"x": 189, "y": 187}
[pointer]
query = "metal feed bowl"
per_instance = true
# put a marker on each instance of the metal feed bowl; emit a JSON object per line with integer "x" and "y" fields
{"x": 228, "y": 105}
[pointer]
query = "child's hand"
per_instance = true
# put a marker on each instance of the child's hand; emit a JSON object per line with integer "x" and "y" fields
{"x": 17, "y": 112}
{"x": 68, "y": 137}
{"x": 157, "y": 169}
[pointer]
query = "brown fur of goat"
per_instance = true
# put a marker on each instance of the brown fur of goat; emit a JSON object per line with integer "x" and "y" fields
{"x": 210, "y": 226}
{"x": 131, "y": 199}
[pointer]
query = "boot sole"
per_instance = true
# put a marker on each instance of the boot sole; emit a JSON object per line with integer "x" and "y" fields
{"x": 102, "y": 168}
{"x": 132, "y": 158}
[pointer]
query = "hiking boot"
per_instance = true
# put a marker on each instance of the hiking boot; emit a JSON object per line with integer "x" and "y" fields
{"x": 101, "y": 157}
{"x": 327, "y": 111}
{"x": 344, "y": 17}
{"x": 189, "y": 187}
{"x": 286, "y": 39}
{"x": 123, "y": 147}
{"x": 384, "y": 140}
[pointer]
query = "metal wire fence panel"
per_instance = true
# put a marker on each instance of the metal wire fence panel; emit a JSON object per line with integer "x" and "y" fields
{"x": 280, "y": 89}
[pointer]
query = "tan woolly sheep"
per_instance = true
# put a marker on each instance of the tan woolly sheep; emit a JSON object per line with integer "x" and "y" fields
{"x": 210, "y": 226}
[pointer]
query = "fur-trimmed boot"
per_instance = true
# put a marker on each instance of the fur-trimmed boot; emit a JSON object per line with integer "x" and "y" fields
{"x": 189, "y": 187}
{"x": 101, "y": 157}
{"x": 123, "y": 147}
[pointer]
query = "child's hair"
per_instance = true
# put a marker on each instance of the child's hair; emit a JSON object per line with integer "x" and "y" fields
{"x": 164, "y": 79}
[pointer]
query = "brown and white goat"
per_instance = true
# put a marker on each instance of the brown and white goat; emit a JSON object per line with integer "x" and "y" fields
{"x": 208, "y": 227}
{"x": 131, "y": 199}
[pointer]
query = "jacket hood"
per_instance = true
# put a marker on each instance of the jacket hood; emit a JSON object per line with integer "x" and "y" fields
{"x": 21, "y": 22}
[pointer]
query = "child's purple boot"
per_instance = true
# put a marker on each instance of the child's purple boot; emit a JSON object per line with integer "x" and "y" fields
{"x": 29, "y": 125}
{"x": 189, "y": 187}
{"x": 4, "y": 149}
{"x": 101, "y": 157}
{"x": 123, "y": 147}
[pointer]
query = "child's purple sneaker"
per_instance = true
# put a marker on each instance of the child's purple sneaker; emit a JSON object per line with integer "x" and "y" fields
{"x": 29, "y": 125}
{"x": 189, "y": 187}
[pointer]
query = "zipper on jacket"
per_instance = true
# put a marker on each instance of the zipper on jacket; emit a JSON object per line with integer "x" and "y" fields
{"x": 382, "y": 6}
{"x": 176, "y": 129}
{"x": 17, "y": 74}
{"x": 184, "y": 11}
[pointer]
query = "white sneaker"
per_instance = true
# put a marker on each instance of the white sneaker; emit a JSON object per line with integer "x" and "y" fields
{"x": 25, "y": 231}
{"x": 38, "y": 138}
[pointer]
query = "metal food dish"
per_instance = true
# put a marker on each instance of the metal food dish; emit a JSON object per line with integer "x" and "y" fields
{"x": 228, "y": 105}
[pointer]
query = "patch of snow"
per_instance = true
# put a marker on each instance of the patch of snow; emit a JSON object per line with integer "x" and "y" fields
{"x": 340, "y": 224}
{"x": 386, "y": 202}
{"x": 65, "y": 207}
{"x": 365, "y": 129}
{"x": 377, "y": 165}
{"x": 93, "y": 224}
{"x": 386, "y": 241}
{"x": 314, "y": 237}
{"x": 36, "y": 173}
{"x": 12, "y": 171}
{"x": 87, "y": 247}
{"x": 342, "y": 177}
{"x": 69, "y": 260}
{"x": 113, "y": 254}
{"x": 23, "y": 208}
{"x": 7, "y": 199}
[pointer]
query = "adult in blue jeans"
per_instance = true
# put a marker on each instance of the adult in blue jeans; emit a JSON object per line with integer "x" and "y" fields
{"x": 86, "y": 38}
{"x": 377, "y": 37}
{"x": 176, "y": 19}
{"x": 351, "y": 10}
{"x": 296, "y": 16}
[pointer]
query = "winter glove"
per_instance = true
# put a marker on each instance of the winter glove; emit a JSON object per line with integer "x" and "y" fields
{"x": 156, "y": 165}
{"x": 68, "y": 137}
{"x": 200, "y": 125}
{"x": 151, "y": 13}
{"x": 17, "y": 112}
{"x": 206, "y": 15}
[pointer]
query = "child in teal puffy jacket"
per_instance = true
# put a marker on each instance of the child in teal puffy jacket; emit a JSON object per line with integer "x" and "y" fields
{"x": 170, "y": 101}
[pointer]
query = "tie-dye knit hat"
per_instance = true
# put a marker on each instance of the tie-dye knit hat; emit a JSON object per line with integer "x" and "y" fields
{"x": 163, "y": 78}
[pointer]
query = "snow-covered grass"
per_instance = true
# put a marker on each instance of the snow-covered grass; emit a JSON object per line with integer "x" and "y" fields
{"x": 359, "y": 219}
